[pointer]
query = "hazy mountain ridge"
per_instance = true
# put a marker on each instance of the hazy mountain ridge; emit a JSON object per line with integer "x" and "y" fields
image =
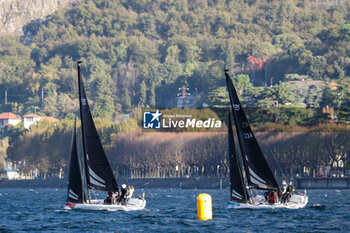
{"x": 14, "y": 14}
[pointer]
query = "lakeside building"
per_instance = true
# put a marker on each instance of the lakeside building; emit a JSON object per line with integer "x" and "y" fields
{"x": 9, "y": 119}
{"x": 30, "y": 119}
{"x": 12, "y": 173}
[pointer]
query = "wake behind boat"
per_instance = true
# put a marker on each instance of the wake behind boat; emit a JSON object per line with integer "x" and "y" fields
{"x": 93, "y": 170}
{"x": 258, "y": 175}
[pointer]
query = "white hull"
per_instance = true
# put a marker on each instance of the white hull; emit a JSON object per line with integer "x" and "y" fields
{"x": 133, "y": 204}
{"x": 295, "y": 202}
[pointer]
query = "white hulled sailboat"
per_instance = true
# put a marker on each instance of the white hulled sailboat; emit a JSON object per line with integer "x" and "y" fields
{"x": 258, "y": 174}
{"x": 95, "y": 170}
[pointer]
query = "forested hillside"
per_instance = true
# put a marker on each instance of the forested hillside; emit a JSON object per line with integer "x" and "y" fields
{"x": 292, "y": 55}
{"x": 138, "y": 53}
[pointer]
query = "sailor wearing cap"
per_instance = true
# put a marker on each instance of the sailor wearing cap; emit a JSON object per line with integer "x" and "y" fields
{"x": 123, "y": 195}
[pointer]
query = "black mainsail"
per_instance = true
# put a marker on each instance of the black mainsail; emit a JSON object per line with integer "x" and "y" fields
{"x": 258, "y": 173}
{"x": 238, "y": 190}
{"x": 98, "y": 172}
{"x": 75, "y": 193}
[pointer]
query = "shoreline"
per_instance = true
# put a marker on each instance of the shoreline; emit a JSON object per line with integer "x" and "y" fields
{"x": 182, "y": 183}
{"x": 323, "y": 183}
{"x": 139, "y": 183}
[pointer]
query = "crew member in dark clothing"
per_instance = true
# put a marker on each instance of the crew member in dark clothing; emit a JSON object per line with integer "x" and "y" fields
{"x": 108, "y": 199}
{"x": 123, "y": 195}
{"x": 284, "y": 192}
{"x": 290, "y": 191}
{"x": 270, "y": 197}
{"x": 267, "y": 196}
{"x": 291, "y": 188}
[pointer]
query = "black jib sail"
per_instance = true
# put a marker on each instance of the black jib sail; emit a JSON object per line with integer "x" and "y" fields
{"x": 99, "y": 174}
{"x": 238, "y": 190}
{"x": 257, "y": 170}
{"x": 75, "y": 187}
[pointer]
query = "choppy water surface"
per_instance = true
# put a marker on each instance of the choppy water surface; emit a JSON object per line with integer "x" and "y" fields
{"x": 41, "y": 210}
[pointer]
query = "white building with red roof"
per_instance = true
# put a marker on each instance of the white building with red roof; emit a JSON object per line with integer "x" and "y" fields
{"x": 8, "y": 118}
{"x": 30, "y": 119}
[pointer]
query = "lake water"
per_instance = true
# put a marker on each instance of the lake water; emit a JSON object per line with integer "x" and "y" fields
{"x": 41, "y": 210}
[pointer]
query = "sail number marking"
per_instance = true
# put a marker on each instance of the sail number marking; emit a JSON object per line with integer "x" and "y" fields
{"x": 248, "y": 135}
{"x": 245, "y": 124}
{"x": 83, "y": 101}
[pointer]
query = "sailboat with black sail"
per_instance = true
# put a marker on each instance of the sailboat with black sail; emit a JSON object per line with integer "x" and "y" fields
{"x": 95, "y": 169}
{"x": 237, "y": 187}
{"x": 258, "y": 175}
{"x": 75, "y": 192}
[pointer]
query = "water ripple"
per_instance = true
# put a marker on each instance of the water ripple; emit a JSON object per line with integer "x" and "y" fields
{"x": 41, "y": 210}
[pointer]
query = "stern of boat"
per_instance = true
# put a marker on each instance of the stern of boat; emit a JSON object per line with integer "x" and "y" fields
{"x": 137, "y": 203}
{"x": 298, "y": 200}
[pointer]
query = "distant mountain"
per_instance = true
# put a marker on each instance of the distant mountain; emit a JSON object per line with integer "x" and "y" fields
{"x": 14, "y": 14}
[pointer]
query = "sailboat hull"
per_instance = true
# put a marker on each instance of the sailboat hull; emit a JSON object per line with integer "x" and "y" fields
{"x": 133, "y": 204}
{"x": 295, "y": 202}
